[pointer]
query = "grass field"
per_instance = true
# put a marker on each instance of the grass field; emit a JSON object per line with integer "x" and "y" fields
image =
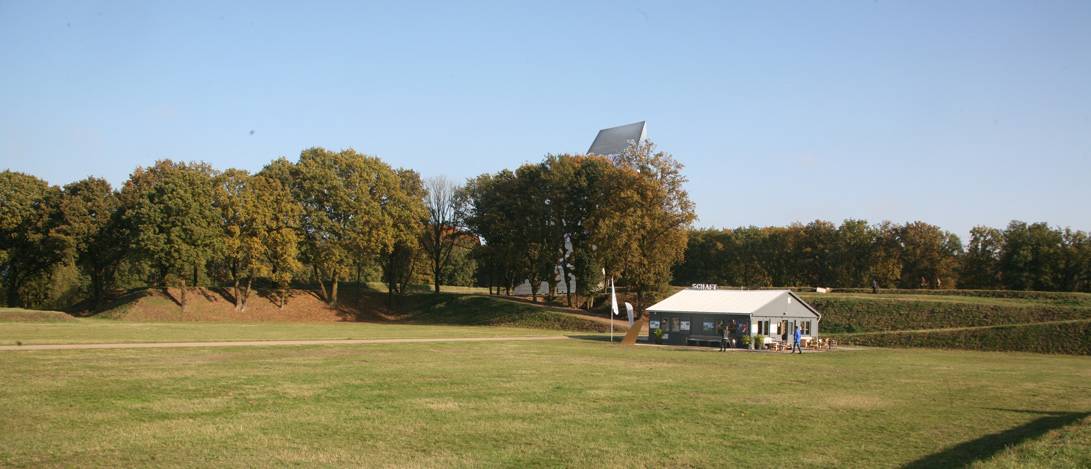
{"x": 83, "y": 331}
{"x": 570, "y": 402}
{"x": 575, "y": 402}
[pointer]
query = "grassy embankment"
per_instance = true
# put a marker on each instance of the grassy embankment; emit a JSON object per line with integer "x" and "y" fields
{"x": 561, "y": 403}
{"x": 1045, "y": 322}
{"x": 153, "y": 317}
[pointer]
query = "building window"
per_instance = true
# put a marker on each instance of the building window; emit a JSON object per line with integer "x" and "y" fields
{"x": 709, "y": 326}
{"x": 806, "y": 325}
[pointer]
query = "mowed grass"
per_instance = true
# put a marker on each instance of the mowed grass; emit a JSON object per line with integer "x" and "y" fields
{"x": 556, "y": 403}
{"x": 83, "y": 331}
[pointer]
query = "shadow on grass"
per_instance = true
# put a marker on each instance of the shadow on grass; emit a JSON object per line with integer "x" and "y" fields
{"x": 982, "y": 448}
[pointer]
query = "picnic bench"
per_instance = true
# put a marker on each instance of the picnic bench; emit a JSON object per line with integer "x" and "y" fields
{"x": 703, "y": 340}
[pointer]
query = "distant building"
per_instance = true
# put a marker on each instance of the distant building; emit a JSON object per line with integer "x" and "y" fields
{"x": 694, "y": 315}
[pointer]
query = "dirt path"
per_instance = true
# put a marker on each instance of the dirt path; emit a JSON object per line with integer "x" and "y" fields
{"x": 267, "y": 343}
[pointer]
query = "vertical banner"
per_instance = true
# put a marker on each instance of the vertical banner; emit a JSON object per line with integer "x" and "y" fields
{"x": 629, "y": 311}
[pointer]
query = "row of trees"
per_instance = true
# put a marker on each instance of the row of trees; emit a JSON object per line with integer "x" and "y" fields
{"x": 333, "y": 216}
{"x": 627, "y": 215}
{"x": 321, "y": 219}
{"x": 914, "y": 255}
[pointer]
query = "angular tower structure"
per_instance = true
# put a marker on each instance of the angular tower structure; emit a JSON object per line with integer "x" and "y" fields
{"x": 613, "y": 141}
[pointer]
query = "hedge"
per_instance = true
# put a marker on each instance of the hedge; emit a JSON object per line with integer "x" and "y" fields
{"x": 879, "y": 314}
{"x": 1057, "y": 296}
{"x": 1065, "y": 338}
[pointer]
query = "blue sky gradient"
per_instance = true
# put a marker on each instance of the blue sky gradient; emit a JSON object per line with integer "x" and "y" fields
{"x": 956, "y": 113}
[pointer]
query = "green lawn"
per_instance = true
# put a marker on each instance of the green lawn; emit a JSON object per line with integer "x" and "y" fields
{"x": 556, "y": 403}
{"x": 82, "y": 331}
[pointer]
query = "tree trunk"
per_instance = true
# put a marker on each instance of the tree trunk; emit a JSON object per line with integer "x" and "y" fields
{"x": 96, "y": 287}
{"x": 567, "y": 285}
{"x": 321, "y": 284}
{"x": 235, "y": 293}
{"x": 435, "y": 276}
{"x": 333, "y": 291}
{"x": 13, "y": 286}
{"x": 246, "y": 293}
{"x": 182, "y": 295}
{"x": 195, "y": 275}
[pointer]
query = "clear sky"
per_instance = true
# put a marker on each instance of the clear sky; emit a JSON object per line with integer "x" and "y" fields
{"x": 957, "y": 113}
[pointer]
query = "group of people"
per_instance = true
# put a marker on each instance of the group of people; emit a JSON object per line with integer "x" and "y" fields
{"x": 725, "y": 338}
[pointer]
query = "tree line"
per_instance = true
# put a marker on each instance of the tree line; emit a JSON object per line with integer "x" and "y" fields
{"x": 323, "y": 219}
{"x": 332, "y": 217}
{"x": 913, "y": 255}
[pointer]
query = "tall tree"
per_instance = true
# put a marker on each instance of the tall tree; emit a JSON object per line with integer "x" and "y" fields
{"x": 407, "y": 210}
{"x": 89, "y": 222}
{"x": 348, "y": 200}
{"x": 242, "y": 216}
{"x": 440, "y": 231}
{"x": 650, "y": 213}
{"x": 853, "y": 250}
{"x": 929, "y": 256}
{"x": 536, "y": 231}
{"x": 170, "y": 210}
{"x": 1030, "y": 257}
{"x": 28, "y": 216}
{"x": 576, "y": 191}
{"x": 277, "y": 224}
{"x": 981, "y": 262}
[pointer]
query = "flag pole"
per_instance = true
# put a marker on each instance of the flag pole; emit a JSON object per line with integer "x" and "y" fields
{"x": 613, "y": 308}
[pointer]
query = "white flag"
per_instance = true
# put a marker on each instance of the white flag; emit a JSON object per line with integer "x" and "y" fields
{"x": 613, "y": 298}
{"x": 629, "y": 311}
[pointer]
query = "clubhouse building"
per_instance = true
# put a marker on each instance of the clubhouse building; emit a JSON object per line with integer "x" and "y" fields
{"x": 694, "y": 316}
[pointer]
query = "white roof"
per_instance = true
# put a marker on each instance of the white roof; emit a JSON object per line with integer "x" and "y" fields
{"x": 718, "y": 301}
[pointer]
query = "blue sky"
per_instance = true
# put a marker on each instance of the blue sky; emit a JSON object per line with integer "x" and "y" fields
{"x": 956, "y": 113}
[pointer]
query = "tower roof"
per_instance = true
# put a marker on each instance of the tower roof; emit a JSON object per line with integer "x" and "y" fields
{"x": 614, "y": 140}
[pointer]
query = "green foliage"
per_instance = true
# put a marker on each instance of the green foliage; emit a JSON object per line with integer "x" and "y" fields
{"x": 1061, "y": 338}
{"x": 354, "y": 210}
{"x": 644, "y": 231}
{"x": 32, "y": 248}
{"x": 862, "y": 315}
{"x": 981, "y": 262}
{"x": 910, "y": 256}
{"x": 170, "y": 211}
{"x": 90, "y": 223}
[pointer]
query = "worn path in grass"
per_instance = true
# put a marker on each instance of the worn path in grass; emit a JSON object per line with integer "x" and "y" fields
{"x": 264, "y": 343}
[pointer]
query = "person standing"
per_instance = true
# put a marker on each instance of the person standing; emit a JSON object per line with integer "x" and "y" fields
{"x": 723, "y": 336}
{"x": 795, "y": 341}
